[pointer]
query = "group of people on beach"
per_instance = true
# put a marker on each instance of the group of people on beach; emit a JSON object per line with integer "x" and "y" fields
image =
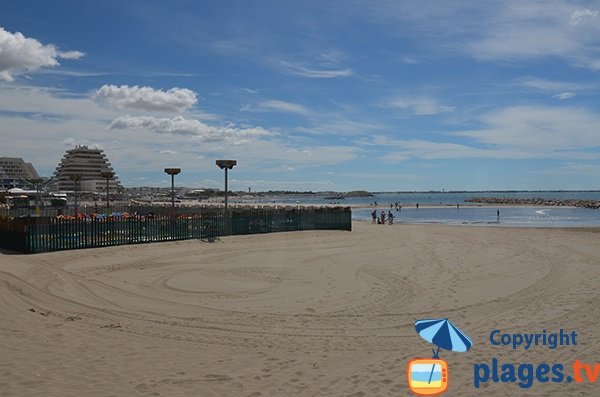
{"x": 382, "y": 218}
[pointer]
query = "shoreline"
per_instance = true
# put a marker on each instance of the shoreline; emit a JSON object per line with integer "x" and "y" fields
{"x": 491, "y": 225}
{"x": 466, "y": 205}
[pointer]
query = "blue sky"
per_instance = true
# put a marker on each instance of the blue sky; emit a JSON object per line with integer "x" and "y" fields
{"x": 310, "y": 95}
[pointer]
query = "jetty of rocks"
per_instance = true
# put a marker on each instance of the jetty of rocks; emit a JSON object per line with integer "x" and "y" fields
{"x": 536, "y": 201}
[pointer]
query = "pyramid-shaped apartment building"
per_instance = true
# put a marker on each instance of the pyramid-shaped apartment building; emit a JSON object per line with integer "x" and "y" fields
{"x": 87, "y": 165}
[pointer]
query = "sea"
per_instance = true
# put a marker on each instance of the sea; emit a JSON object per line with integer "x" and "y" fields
{"x": 441, "y": 208}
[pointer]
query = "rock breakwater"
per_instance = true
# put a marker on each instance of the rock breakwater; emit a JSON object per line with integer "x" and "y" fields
{"x": 536, "y": 201}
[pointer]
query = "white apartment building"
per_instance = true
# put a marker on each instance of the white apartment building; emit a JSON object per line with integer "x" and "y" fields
{"x": 87, "y": 164}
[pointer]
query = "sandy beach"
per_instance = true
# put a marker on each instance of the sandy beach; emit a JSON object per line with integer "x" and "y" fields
{"x": 320, "y": 313}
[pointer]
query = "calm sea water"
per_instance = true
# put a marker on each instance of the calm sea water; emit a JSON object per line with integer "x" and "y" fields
{"x": 469, "y": 213}
{"x": 509, "y": 216}
{"x": 435, "y": 198}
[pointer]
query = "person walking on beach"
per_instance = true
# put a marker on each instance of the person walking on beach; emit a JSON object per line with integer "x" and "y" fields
{"x": 390, "y": 217}
{"x": 383, "y": 217}
{"x": 374, "y": 216}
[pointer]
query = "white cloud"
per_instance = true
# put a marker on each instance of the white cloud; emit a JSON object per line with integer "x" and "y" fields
{"x": 550, "y": 85}
{"x": 313, "y": 73}
{"x": 70, "y": 141}
{"x": 505, "y": 30}
{"x": 280, "y": 106}
{"x": 409, "y": 60}
{"x": 522, "y": 30}
{"x": 520, "y": 132}
{"x": 134, "y": 143}
{"x": 70, "y": 54}
{"x": 38, "y": 100}
{"x": 429, "y": 150}
{"x": 579, "y": 16}
{"x": 273, "y": 155}
{"x": 20, "y": 54}
{"x": 444, "y": 150}
{"x": 331, "y": 57}
{"x": 147, "y": 98}
{"x": 73, "y": 73}
{"x": 181, "y": 126}
{"x": 136, "y": 150}
{"x": 564, "y": 95}
{"x": 420, "y": 106}
{"x": 167, "y": 152}
{"x": 523, "y": 42}
{"x": 539, "y": 127}
{"x": 335, "y": 125}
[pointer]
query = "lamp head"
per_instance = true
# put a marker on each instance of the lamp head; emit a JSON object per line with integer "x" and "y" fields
{"x": 229, "y": 164}
{"x": 172, "y": 171}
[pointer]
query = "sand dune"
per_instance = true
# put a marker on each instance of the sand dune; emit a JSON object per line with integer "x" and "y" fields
{"x": 323, "y": 313}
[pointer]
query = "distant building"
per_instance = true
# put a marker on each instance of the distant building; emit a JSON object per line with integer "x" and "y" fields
{"x": 87, "y": 164}
{"x": 14, "y": 172}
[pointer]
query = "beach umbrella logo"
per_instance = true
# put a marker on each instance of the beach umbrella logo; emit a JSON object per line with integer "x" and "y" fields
{"x": 429, "y": 376}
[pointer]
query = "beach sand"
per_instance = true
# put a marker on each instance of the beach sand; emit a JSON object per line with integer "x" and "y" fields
{"x": 319, "y": 313}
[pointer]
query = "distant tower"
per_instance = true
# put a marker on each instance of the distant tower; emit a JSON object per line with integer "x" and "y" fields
{"x": 89, "y": 165}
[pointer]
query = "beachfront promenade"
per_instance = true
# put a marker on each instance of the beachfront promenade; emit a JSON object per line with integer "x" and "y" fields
{"x": 45, "y": 234}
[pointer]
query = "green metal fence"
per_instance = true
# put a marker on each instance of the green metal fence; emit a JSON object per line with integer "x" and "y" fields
{"x": 44, "y": 234}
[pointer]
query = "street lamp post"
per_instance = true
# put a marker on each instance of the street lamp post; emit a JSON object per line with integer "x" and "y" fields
{"x": 37, "y": 182}
{"x": 172, "y": 172}
{"x": 76, "y": 178}
{"x": 226, "y": 165}
{"x": 108, "y": 175}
